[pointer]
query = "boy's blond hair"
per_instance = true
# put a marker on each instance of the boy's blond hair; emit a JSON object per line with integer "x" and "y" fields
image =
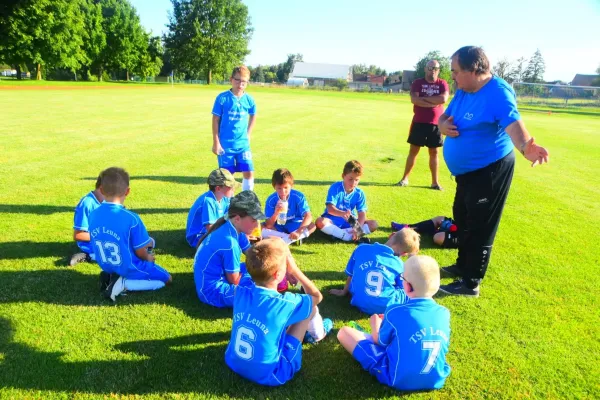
{"x": 242, "y": 70}
{"x": 353, "y": 166}
{"x": 423, "y": 274}
{"x": 115, "y": 181}
{"x": 265, "y": 258}
{"x": 407, "y": 240}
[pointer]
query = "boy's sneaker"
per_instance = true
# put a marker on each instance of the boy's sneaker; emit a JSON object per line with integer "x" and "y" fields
{"x": 327, "y": 326}
{"x": 115, "y": 287}
{"x": 451, "y": 271}
{"x": 397, "y": 227}
{"x": 104, "y": 280}
{"x": 458, "y": 288}
{"x": 79, "y": 258}
{"x": 364, "y": 240}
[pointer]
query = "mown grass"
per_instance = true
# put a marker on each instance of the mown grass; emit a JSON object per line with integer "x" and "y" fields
{"x": 532, "y": 334}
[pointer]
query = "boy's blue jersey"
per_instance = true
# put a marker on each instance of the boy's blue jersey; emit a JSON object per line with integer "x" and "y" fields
{"x": 297, "y": 206}
{"x": 218, "y": 254}
{"x": 376, "y": 281}
{"x": 116, "y": 233}
{"x": 84, "y": 208}
{"x": 416, "y": 336}
{"x": 354, "y": 201}
{"x": 206, "y": 210}
{"x": 234, "y": 113}
{"x": 260, "y": 319}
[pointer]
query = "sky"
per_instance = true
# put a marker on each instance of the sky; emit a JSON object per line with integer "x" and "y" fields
{"x": 395, "y": 34}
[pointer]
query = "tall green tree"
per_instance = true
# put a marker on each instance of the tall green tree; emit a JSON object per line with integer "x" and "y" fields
{"x": 208, "y": 36}
{"x": 151, "y": 60}
{"x": 518, "y": 71}
{"x": 284, "y": 70}
{"x": 504, "y": 70}
{"x": 535, "y": 68}
{"x": 94, "y": 38}
{"x": 444, "y": 61}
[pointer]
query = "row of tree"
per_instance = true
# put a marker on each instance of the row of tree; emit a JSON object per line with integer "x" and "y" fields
{"x": 522, "y": 70}
{"x": 77, "y": 36}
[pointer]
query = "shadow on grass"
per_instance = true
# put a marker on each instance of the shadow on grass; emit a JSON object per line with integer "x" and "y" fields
{"x": 41, "y": 209}
{"x": 185, "y": 364}
{"x": 199, "y": 180}
{"x": 171, "y": 242}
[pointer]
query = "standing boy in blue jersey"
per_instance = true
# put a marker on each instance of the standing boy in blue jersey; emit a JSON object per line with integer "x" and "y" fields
{"x": 234, "y": 115}
{"x": 298, "y": 223}
{"x": 374, "y": 273}
{"x": 81, "y": 231}
{"x": 345, "y": 199}
{"x": 210, "y": 206}
{"x": 121, "y": 243}
{"x": 268, "y": 327}
{"x": 407, "y": 347}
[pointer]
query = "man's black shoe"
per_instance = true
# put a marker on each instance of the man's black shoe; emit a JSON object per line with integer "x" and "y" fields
{"x": 458, "y": 288}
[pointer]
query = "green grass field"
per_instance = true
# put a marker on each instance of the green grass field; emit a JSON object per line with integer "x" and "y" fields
{"x": 534, "y": 333}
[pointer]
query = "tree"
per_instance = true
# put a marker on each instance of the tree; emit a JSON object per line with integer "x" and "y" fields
{"x": 270, "y": 76}
{"x": 518, "y": 70}
{"x": 444, "y": 61}
{"x": 207, "y": 36}
{"x": 362, "y": 69}
{"x": 596, "y": 81}
{"x": 504, "y": 69}
{"x": 535, "y": 68}
{"x": 284, "y": 70}
{"x": 150, "y": 60}
{"x": 94, "y": 38}
{"x": 259, "y": 74}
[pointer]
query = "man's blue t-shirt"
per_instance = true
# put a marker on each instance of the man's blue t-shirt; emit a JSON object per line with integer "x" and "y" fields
{"x": 205, "y": 211}
{"x": 376, "y": 282}
{"x": 116, "y": 233}
{"x": 218, "y": 254}
{"x": 234, "y": 113}
{"x": 416, "y": 336}
{"x": 355, "y": 201}
{"x": 260, "y": 319}
{"x": 297, "y": 206}
{"x": 481, "y": 119}
{"x": 84, "y": 208}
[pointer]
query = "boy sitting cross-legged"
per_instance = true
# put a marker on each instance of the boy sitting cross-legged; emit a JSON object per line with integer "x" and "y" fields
{"x": 268, "y": 327}
{"x": 374, "y": 272}
{"x": 407, "y": 347}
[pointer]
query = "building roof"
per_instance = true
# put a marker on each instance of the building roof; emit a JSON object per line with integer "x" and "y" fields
{"x": 323, "y": 71}
{"x": 584, "y": 80}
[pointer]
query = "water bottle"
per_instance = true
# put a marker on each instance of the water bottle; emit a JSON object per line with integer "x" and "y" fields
{"x": 282, "y": 216}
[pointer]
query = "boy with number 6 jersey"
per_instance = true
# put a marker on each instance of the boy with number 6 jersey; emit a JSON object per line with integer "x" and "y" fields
{"x": 121, "y": 243}
{"x": 407, "y": 347}
{"x": 374, "y": 272}
{"x": 268, "y": 327}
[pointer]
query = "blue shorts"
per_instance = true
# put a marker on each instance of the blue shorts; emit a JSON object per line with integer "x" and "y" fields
{"x": 289, "y": 362}
{"x": 289, "y": 226}
{"x": 373, "y": 358}
{"x": 236, "y": 160}
{"x": 146, "y": 270}
{"x": 337, "y": 221}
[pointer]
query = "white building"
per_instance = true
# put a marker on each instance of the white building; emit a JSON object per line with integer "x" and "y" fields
{"x": 321, "y": 74}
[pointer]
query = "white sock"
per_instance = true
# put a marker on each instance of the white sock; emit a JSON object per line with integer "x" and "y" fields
{"x": 134, "y": 285}
{"x": 305, "y": 234}
{"x": 315, "y": 326}
{"x": 272, "y": 232}
{"x": 248, "y": 184}
{"x": 337, "y": 232}
{"x": 366, "y": 229}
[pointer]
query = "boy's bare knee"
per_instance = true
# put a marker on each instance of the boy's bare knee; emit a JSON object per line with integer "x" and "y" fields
{"x": 342, "y": 332}
{"x": 373, "y": 225}
{"x": 321, "y": 222}
{"x": 439, "y": 237}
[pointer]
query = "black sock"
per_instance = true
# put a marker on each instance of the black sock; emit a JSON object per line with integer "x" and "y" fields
{"x": 424, "y": 227}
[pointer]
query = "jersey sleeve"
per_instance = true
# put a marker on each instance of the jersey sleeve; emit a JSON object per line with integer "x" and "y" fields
{"x": 331, "y": 195}
{"x": 505, "y": 107}
{"x": 139, "y": 234}
{"x": 252, "y": 108}
{"x": 302, "y": 303}
{"x": 209, "y": 213}
{"x": 445, "y": 88}
{"x": 270, "y": 207}
{"x": 302, "y": 207}
{"x": 350, "y": 265}
{"x": 386, "y": 332}
{"x": 415, "y": 87}
{"x": 361, "y": 204}
{"x": 218, "y": 107}
{"x": 243, "y": 242}
{"x": 80, "y": 220}
{"x": 231, "y": 257}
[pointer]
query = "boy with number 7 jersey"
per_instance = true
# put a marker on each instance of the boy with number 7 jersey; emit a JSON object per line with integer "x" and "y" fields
{"x": 407, "y": 347}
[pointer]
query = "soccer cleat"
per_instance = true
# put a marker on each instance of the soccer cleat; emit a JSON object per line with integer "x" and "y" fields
{"x": 79, "y": 258}
{"x": 458, "y": 288}
{"x": 451, "y": 271}
{"x": 397, "y": 227}
{"x": 327, "y": 326}
{"x": 104, "y": 280}
{"x": 115, "y": 287}
{"x": 364, "y": 240}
